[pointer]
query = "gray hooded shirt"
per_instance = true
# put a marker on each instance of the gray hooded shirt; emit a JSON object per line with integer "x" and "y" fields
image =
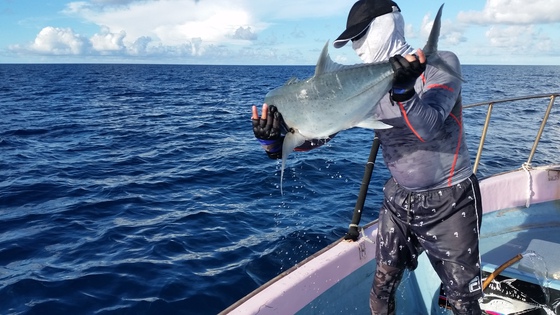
{"x": 426, "y": 148}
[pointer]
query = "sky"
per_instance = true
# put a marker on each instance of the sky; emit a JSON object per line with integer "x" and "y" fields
{"x": 263, "y": 32}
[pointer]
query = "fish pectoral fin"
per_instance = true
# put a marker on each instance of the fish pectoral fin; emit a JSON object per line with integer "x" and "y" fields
{"x": 373, "y": 124}
{"x": 291, "y": 141}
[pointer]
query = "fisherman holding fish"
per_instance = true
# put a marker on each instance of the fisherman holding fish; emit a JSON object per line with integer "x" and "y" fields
{"x": 432, "y": 202}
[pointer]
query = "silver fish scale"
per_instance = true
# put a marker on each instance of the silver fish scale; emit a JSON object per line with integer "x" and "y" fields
{"x": 333, "y": 101}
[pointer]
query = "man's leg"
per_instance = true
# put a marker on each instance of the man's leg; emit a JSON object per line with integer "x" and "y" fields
{"x": 452, "y": 242}
{"x": 382, "y": 295}
{"x": 396, "y": 248}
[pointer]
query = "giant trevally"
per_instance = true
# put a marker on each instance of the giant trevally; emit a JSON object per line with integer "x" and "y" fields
{"x": 339, "y": 97}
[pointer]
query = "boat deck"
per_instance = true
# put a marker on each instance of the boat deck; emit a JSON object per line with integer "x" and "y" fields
{"x": 533, "y": 232}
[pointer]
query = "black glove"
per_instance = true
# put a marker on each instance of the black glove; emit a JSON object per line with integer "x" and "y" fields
{"x": 269, "y": 132}
{"x": 405, "y": 77}
{"x": 269, "y": 128}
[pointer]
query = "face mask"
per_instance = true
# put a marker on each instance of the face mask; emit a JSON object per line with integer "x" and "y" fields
{"x": 383, "y": 39}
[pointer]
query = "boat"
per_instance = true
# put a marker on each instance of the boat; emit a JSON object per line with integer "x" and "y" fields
{"x": 519, "y": 246}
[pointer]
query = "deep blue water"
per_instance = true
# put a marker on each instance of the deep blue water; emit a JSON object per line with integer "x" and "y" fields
{"x": 139, "y": 189}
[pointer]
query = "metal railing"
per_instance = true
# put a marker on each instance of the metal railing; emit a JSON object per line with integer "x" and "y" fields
{"x": 490, "y": 104}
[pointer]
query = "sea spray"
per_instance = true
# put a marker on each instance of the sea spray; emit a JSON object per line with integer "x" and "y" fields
{"x": 540, "y": 270}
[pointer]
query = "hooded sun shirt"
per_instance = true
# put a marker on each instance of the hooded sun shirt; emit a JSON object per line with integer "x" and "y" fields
{"x": 384, "y": 39}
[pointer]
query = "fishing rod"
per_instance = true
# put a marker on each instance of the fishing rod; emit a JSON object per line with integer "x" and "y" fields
{"x": 353, "y": 232}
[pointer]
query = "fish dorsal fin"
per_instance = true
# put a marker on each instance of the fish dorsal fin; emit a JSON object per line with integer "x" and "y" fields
{"x": 292, "y": 80}
{"x": 325, "y": 63}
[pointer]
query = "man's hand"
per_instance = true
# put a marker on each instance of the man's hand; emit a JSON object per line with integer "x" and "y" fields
{"x": 267, "y": 127}
{"x": 407, "y": 70}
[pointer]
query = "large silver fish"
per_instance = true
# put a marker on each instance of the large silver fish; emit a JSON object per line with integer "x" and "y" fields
{"x": 339, "y": 97}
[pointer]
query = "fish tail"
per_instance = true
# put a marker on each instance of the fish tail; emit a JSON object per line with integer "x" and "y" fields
{"x": 430, "y": 49}
{"x": 291, "y": 141}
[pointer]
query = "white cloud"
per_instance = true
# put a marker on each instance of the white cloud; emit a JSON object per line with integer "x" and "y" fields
{"x": 107, "y": 41}
{"x": 175, "y": 27}
{"x": 140, "y": 46}
{"x": 506, "y": 31}
{"x": 171, "y": 22}
{"x": 174, "y": 22}
{"x": 451, "y": 33}
{"x": 506, "y": 37}
{"x": 519, "y": 39}
{"x": 514, "y": 12}
{"x": 196, "y": 49}
{"x": 59, "y": 41}
{"x": 244, "y": 33}
{"x": 64, "y": 41}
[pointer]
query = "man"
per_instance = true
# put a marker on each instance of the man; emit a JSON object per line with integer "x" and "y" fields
{"x": 432, "y": 201}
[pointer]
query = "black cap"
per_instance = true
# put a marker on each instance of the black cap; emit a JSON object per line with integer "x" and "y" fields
{"x": 361, "y": 15}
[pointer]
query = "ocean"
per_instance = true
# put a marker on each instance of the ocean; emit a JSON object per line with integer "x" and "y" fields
{"x": 140, "y": 189}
